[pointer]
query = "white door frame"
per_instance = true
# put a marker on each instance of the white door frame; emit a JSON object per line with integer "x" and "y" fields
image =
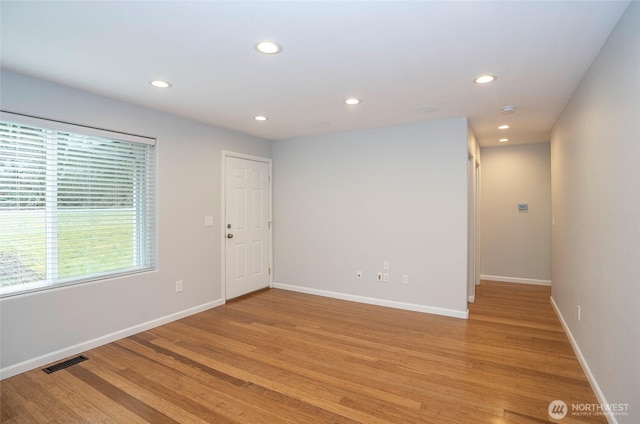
{"x": 223, "y": 214}
{"x": 478, "y": 226}
{"x": 473, "y": 226}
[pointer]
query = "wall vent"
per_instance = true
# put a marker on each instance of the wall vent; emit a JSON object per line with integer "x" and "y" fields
{"x": 65, "y": 364}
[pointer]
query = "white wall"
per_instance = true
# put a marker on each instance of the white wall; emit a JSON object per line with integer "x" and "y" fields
{"x": 516, "y": 246}
{"x": 595, "y": 156}
{"x": 348, "y": 201}
{"x": 42, "y": 327}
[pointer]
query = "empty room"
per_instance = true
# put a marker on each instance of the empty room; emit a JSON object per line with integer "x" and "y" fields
{"x": 319, "y": 212}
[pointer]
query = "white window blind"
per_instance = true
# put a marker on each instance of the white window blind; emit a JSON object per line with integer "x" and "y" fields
{"x": 76, "y": 204}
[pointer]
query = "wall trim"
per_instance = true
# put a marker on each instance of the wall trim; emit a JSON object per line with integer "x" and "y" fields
{"x": 373, "y": 301}
{"x": 518, "y": 280}
{"x": 48, "y": 358}
{"x": 471, "y": 298}
{"x": 583, "y": 362}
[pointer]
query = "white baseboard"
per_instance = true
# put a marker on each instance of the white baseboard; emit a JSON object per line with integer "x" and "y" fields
{"x": 503, "y": 279}
{"x": 373, "y": 301}
{"x": 583, "y": 362}
{"x": 30, "y": 364}
{"x": 472, "y": 298}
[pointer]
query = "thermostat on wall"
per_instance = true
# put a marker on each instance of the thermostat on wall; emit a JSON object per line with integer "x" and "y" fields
{"x": 523, "y": 207}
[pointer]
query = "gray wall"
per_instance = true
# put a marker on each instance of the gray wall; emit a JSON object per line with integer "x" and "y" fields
{"x": 349, "y": 201}
{"x": 516, "y": 246}
{"x": 595, "y": 156}
{"x": 35, "y": 328}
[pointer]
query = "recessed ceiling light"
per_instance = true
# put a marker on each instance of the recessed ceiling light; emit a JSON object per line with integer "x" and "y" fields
{"x": 352, "y": 101}
{"x": 260, "y": 118}
{"x": 503, "y": 140}
{"x": 503, "y": 127}
{"x": 268, "y": 47}
{"x": 508, "y": 109}
{"x": 485, "y": 79}
{"x": 160, "y": 84}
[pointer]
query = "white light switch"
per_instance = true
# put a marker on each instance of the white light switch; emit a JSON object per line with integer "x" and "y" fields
{"x": 208, "y": 221}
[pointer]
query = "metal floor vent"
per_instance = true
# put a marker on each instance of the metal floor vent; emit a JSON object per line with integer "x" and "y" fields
{"x": 65, "y": 364}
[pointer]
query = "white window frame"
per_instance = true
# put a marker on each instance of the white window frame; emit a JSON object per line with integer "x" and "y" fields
{"x": 51, "y": 280}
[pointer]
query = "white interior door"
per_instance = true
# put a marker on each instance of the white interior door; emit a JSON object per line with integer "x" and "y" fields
{"x": 247, "y": 210}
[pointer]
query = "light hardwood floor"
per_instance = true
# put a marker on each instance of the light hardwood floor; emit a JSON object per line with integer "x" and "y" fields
{"x": 284, "y": 357}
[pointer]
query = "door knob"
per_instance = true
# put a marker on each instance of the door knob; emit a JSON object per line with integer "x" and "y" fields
{"x": 229, "y": 235}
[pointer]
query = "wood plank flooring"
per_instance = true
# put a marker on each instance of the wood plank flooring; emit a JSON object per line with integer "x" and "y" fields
{"x": 284, "y": 357}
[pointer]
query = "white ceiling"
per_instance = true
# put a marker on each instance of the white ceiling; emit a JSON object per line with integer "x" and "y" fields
{"x": 394, "y": 55}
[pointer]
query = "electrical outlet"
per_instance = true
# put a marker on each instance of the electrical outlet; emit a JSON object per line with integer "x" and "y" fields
{"x": 386, "y": 265}
{"x": 358, "y": 275}
{"x": 385, "y": 277}
{"x": 405, "y": 279}
{"x": 178, "y": 286}
{"x": 379, "y": 276}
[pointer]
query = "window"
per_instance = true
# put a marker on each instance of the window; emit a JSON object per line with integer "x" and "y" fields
{"x": 76, "y": 204}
